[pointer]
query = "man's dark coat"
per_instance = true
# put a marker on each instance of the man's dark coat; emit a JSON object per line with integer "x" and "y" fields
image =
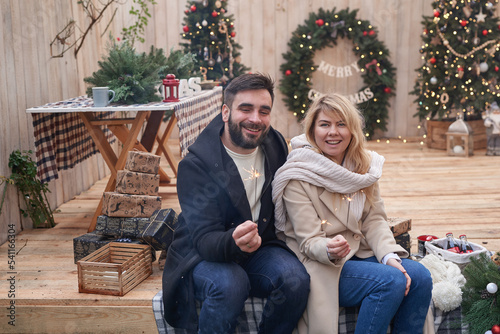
{"x": 213, "y": 202}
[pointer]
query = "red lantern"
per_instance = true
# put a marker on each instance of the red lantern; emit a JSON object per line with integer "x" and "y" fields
{"x": 171, "y": 88}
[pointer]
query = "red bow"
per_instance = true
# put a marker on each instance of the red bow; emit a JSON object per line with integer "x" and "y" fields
{"x": 374, "y": 63}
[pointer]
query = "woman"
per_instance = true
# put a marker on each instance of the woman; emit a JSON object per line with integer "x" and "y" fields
{"x": 329, "y": 210}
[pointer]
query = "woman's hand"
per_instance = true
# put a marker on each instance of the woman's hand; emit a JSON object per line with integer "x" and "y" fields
{"x": 337, "y": 247}
{"x": 395, "y": 263}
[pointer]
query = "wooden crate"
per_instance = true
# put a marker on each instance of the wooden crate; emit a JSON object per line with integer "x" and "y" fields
{"x": 114, "y": 269}
{"x": 436, "y": 134}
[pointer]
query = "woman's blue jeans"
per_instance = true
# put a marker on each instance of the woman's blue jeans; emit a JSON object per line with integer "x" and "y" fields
{"x": 271, "y": 272}
{"x": 379, "y": 292}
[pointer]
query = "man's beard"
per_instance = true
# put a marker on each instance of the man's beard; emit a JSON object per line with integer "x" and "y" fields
{"x": 246, "y": 142}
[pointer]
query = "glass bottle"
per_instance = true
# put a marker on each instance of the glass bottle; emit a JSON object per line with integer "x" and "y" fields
{"x": 465, "y": 247}
{"x": 452, "y": 244}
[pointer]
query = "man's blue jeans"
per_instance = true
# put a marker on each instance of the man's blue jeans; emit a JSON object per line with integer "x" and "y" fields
{"x": 379, "y": 291}
{"x": 271, "y": 272}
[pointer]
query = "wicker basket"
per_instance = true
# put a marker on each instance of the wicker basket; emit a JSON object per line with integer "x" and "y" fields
{"x": 114, "y": 269}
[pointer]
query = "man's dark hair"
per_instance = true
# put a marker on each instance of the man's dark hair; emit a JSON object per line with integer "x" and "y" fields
{"x": 248, "y": 81}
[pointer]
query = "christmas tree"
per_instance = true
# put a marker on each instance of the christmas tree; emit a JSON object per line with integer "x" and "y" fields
{"x": 480, "y": 299}
{"x": 210, "y": 36}
{"x": 461, "y": 44}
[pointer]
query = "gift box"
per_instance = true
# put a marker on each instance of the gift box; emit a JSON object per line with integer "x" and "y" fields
{"x": 124, "y": 227}
{"x": 159, "y": 233}
{"x": 89, "y": 243}
{"x": 404, "y": 240}
{"x": 86, "y": 244}
{"x": 136, "y": 183}
{"x": 143, "y": 162}
{"x": 125, "y": 205}
{"x": 399, "y": 225}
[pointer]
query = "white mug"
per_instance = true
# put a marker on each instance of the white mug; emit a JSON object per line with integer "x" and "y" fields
{"x": 101, "y": 96}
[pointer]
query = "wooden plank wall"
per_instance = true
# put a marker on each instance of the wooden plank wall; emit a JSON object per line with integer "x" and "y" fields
{"x": 30, "y": 77}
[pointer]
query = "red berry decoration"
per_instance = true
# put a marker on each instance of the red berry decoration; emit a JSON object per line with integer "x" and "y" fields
{"x": 185, "y": 29}
{"x": 432, "y": 60}
{"x": 288, "y": 72}
{"x": 495, "y": 329}
{"x": 320, "y": 22}
{"x": 437, "y": 13}
{"x": 485, "y": 32}
{"x": 387, "y": 90}
{"x": 193, "y": 8}
{"x": 214, "y": 14}
{"x": 463, "y": 23}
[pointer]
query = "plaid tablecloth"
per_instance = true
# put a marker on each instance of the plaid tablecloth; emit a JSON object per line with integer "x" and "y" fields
{"x": 444, "y": 322}
{"x": 193, "y": 116}
{"x": 62, "y": 141}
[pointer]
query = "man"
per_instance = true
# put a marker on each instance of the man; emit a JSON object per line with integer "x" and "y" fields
{"x": 225, "y": 248}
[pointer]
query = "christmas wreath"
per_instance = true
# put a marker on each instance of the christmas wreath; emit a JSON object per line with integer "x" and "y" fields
{"x": 322, "y": 30}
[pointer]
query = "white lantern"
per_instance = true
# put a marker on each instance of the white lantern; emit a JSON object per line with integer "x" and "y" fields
{"x": 459, "y": 140}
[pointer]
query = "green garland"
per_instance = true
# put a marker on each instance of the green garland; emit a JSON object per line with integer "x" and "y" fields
{"x": 480, "y": 308}
{"x": 322, "y": 30}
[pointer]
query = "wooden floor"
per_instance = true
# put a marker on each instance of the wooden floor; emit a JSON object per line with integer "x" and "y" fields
{"x": 439, "y": 193}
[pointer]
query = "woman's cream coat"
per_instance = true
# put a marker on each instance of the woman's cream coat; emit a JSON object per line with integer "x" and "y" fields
{"x": 315, "y": 215}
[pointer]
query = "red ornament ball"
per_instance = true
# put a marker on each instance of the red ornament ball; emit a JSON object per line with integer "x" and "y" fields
{"x": 371, "y": 33}
{"x": 437, "y": 13}
{"x": 432, "y": 60}
{"x": 214, "y": 14}
{"x": 186, "y": 11}
{"x": 233, "y": 34}
{"x": 497, "y": 68}
{"x": 495, "y": 329}
{"x": 320, "y": 22}
{"x": 288, "y": 72}
{"x": 387, "y": 90}
{"x": 463, "y": 23}
{"x": 485, "y": 32}
{"x": 185, "y": 29}
{"x": 193, "y": 8}
{"x": 365, "y": 33}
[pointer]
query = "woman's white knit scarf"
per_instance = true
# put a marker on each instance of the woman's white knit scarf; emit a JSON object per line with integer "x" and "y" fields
{"x": 304, "y": 164}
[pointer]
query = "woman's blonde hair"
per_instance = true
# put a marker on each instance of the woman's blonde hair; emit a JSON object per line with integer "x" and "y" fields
{"x": 357, "y": 158}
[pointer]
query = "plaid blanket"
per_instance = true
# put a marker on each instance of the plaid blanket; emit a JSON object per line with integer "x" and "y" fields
{"x": 444, "y": 323}
{"x": 62, "y": 140}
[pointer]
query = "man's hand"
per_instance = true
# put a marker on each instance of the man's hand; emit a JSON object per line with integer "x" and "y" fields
{"x": 337, "y": 247}
{"x": 247, "y": 237}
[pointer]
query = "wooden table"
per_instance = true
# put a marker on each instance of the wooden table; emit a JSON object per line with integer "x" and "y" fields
{"x": 190, "y": 114}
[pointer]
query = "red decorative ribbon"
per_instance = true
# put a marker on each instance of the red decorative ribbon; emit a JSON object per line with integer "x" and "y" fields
{"x": 374, "y": 63}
